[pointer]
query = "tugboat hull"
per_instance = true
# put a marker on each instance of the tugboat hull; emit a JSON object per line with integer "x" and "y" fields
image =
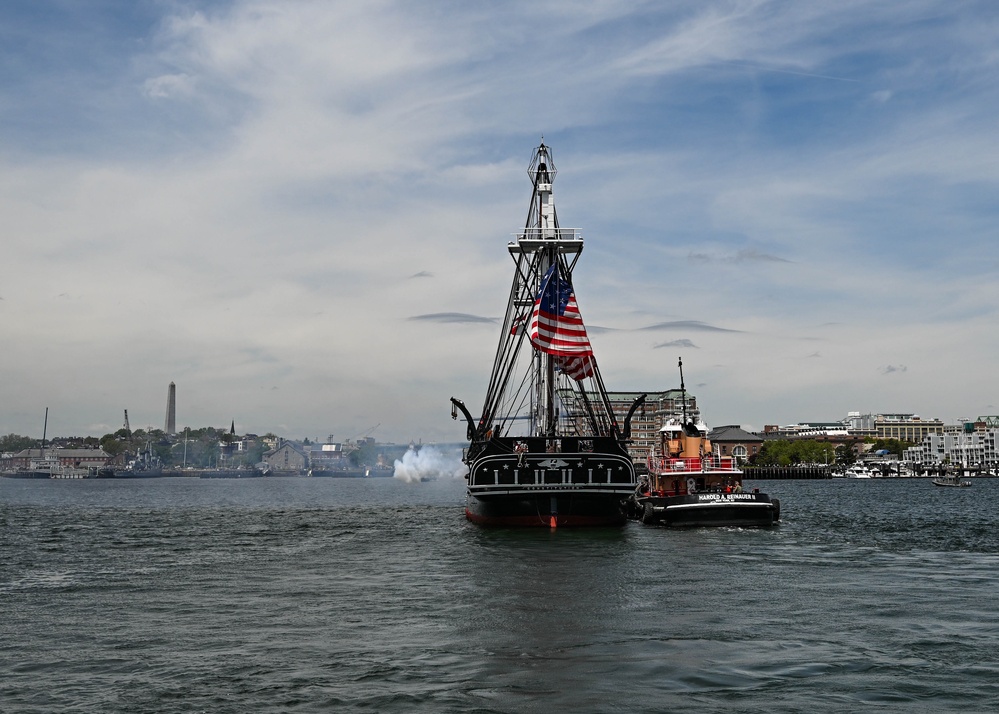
{"x": 710, "y": 509}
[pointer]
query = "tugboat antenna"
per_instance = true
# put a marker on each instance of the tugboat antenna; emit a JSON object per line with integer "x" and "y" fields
{"x": 683, "y": 393}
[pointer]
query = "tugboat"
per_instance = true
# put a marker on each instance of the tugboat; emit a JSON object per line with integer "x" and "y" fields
{"x": 688, "y": 484}
{"x": 547, "y": 448}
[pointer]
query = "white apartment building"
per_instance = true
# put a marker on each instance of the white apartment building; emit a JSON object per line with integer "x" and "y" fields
{"x": 968, "y": 445}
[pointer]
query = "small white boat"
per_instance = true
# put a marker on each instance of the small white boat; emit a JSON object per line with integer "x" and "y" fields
{"x": 950, "y": 480}
{"x": 858, "y": 471}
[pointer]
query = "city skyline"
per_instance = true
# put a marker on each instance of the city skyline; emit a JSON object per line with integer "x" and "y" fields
{"x": 299, "y": 211}
{"x": 852, "y": 419}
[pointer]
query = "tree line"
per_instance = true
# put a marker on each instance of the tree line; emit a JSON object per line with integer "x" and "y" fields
{"x": 800, "y": 452}
{"x": 198, "y": 448}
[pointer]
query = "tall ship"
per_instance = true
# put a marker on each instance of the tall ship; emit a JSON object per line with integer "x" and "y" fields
{"x": 546, "y": 449}
{"x": 691, "y": 484}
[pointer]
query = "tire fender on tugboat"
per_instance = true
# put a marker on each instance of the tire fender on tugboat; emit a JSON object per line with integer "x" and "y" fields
{"x": 649, "y": 514}
{"x": 776, "y": 502}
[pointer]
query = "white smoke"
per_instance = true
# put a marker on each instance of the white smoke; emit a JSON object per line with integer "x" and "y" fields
{"x": 428, "y": 464}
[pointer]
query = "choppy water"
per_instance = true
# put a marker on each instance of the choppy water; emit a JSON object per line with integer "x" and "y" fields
{"x": 321, "y": 595}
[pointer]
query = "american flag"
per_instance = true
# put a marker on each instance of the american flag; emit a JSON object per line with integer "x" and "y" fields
{"x": 557, "y": 327}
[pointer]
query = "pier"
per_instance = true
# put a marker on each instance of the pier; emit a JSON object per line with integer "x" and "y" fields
{"x": 788, "y": 472}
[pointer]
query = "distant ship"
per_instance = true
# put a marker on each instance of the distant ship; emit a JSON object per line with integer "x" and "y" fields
{"x": 547, "y": 448}
{"x": 230, "y": 473}
{"x": 144, "y": 465}
{"x": 344, "y": 472}
{"x": 48, "y": 466}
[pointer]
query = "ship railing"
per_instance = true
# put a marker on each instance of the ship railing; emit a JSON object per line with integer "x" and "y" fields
{"x": 530, "y": 240}
{"x": 532, "y": 474}
{"x": 550, "y": 234}
{"x": 694, "y": 464}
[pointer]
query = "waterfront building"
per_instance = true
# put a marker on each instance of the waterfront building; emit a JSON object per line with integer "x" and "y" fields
{"x": 971, "y": 443}
{"x": 648, "y": 419}
{"x": 733, "y": 440}
{"x": 70, "y": 458}
{"x": 905, "y": 427}
{"x": 819, "y": 430}
{"x": 333, "y": 455}
{"x": 857, "y": 426}
{"x": 287, "y": 457}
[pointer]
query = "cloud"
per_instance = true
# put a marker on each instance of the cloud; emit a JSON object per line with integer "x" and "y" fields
{"x": 748, "y": 255}
{"x": 169, "y": 86}
{"x": 893, "y": 369}
{"x": 693, "y": 325}
{"x": 675, "y": 343}
{"x": 451, "y": 317}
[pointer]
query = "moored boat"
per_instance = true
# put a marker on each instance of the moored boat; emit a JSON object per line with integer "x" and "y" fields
{"x": 858, "y": 471}
{"x": 344, "y": 472}
{"x": 546, "y": 449}
{"x": 47, "y": 465}
{"x": 688, "y": 484}
{"x": 238, "y": 472}
{"x": 145, "y": 465}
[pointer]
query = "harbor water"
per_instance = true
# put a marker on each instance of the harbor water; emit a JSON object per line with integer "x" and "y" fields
{"x": 375, "y": 595}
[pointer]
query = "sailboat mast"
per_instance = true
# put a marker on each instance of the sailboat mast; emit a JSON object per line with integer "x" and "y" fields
{"x": 45, "y": 431}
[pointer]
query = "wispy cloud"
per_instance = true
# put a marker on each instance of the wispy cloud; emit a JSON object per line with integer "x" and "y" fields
{"x": 748, "y": 255}
{"x": 691, "y": 325}
{"x": 684, "y": 344}
{"x": 451, "y": 317}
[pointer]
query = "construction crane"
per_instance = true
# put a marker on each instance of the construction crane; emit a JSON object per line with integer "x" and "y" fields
{"x": 365, "y": 433}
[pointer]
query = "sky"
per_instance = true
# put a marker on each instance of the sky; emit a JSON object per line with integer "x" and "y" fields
{"x": 298, "y": 211}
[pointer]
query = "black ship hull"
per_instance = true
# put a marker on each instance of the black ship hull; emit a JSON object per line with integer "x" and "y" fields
{"x": 550, "y": 489}
{"x": 546, "y": 511}
{"x": 231, "y": 473}
{"x": 338, "y": 473}
{"x": 128, "y": 473}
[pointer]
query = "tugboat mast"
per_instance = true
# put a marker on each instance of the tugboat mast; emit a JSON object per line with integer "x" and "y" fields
{"x": 683, "y": 393}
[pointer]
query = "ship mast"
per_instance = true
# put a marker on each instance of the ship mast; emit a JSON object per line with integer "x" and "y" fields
{"x": 546, "y": 221}
{"x": 532, "y": 386}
